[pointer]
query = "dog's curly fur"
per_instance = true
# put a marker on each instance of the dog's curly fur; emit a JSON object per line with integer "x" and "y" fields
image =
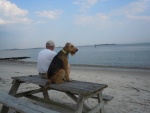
{"x": 58, "y": 69}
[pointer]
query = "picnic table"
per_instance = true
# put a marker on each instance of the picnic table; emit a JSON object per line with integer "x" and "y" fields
{"x": 79, "y": 91}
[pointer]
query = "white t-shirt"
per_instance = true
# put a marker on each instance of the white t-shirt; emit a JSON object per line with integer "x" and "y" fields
{"x": 45, "y": 57}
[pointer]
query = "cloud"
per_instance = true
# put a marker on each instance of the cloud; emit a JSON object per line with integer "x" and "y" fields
{"x": 87, "y": 19}
{"x": 50, "y": 14}
{"x": 84, "y": 19}
{"x": 136, "y": 7}
{"x": 10, "y": 13}
{"x": 2, "y": 21}
{"x": 145, "y": 18}
{"x": 133, "y": 11}
{"x": 85, "y": 4}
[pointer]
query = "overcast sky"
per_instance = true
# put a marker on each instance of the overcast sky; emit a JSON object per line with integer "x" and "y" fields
{"x": 30, "y": 23}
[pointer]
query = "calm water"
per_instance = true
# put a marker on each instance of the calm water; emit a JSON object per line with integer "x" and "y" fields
{"x": 127, "y": 55}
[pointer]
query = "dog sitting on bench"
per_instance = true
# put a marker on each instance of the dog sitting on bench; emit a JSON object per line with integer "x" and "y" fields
{"x": 58, "y": 69}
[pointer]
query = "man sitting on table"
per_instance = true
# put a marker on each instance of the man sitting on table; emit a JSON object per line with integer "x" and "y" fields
{"x": 45, "y": 57}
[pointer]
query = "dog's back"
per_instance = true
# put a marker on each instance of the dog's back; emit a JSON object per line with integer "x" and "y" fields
{"x": 55, "y": 65}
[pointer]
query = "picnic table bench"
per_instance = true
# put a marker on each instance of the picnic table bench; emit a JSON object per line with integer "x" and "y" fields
{"x": 79, "y": 91}
{"x": 22, "y": 106}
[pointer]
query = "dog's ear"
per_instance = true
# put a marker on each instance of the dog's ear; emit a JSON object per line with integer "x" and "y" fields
{"x": 67, "y": 44}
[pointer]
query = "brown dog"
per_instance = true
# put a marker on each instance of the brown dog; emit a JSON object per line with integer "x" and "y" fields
{"x": 58, "y": 69}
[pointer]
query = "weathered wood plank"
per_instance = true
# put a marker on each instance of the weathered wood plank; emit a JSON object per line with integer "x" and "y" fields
{"x": 57, "y": 104}
{"x": 78, "y": 87}
{"x": 80, "y": 104}
{"x": 33, "y": 80}
{"x": 14, "y": 87}
{"x": 100, "y": 100}
{"x": 36, "y": 76}
{"x": 12, "y": 91}
{"x": 76, "y": 100}
{"x": 28, "y": 92}
{"x": 105, "y": 97}
{"x": 22, "y": 106}
{"x": 45, "y": 94}
{"x": 97, "y": 107}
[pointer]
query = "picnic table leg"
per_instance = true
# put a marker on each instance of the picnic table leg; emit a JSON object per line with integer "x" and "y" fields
{"x": 71, "y": 95}
{"x": 45, "y": 93}
{"x": 12, "y": 92}
{"x": 100, "y": 99}
{"x": 80, "y": 103}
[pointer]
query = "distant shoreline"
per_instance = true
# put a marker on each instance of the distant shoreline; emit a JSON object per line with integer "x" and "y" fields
{"x": 94, "y": 45}
{"x": 78, "y": 65}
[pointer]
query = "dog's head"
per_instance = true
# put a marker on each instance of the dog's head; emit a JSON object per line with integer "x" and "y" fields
{"x": 70, "y": 48}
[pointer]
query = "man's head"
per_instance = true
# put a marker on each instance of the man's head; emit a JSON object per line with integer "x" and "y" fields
{"x": 50, "y": 45}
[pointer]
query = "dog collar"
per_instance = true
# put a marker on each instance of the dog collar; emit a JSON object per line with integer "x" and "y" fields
{"x": 63, "y": 51}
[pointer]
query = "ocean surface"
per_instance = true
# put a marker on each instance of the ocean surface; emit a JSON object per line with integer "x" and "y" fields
{"x": 120, "y": 55}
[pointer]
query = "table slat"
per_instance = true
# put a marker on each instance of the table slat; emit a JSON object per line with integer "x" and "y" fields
{"x": 78, "y": 87}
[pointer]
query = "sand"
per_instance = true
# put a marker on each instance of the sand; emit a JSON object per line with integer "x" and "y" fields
{"x": 130, "y": 87}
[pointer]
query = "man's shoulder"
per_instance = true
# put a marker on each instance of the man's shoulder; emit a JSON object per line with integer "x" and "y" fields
{"x": 47, "y": 51}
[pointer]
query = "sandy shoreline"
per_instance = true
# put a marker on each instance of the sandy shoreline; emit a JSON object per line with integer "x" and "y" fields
{"x": 81, "y": 65}
{"x": 130, "y": 87}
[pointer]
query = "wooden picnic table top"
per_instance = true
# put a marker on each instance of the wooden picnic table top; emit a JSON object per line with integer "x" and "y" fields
{"x": 77, "y": 87}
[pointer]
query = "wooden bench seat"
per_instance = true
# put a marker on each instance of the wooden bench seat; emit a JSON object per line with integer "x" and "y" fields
{"x": 22, "y": 106}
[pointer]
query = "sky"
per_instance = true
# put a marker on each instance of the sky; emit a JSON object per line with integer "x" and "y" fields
{"x": 30, "y": 23}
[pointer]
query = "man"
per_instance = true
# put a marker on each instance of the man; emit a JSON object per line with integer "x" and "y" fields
{"x": 45, "y": 57}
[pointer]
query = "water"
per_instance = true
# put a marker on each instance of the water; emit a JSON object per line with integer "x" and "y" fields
{"x": 125, "y": 55}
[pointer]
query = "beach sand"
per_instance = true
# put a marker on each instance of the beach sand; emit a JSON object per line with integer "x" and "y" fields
{"x": 129, "y": 87}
